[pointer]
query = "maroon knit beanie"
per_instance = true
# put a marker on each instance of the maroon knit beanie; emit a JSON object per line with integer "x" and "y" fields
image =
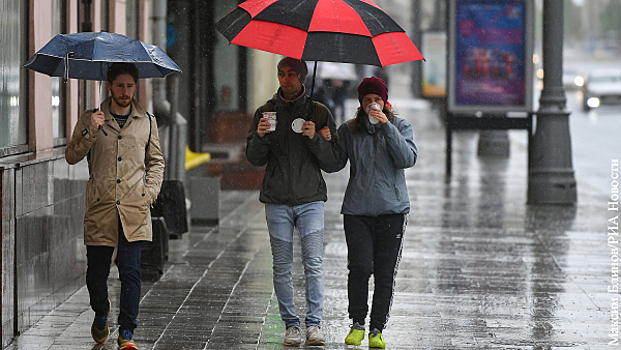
{"x": 372, "y": 85}
{"x": 298, "y": 66}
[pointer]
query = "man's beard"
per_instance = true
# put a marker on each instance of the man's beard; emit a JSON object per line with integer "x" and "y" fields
{"x": 120, "y": 102}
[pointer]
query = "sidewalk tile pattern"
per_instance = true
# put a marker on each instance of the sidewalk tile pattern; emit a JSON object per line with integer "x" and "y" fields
{"x": 480, "y": 270}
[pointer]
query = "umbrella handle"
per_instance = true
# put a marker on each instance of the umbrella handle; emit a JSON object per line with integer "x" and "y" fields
{"x": 100, "y": 128}
{"x": 313, "y": 83}
{"x": 99, "y": 94}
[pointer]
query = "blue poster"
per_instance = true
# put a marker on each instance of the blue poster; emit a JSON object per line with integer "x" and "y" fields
{"x": 490, "y": 53}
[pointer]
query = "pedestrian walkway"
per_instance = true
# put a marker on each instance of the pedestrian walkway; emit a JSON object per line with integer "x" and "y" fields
{"x": 480, "y": 268}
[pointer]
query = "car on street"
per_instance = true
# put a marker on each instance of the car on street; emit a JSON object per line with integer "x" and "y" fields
{"x": 601, "y": 87}
{"x": 572, "y": 79}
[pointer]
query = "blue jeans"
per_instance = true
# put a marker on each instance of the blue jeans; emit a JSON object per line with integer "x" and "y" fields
{"x": 307, "y": 219}
{"x": 127, "y": 260}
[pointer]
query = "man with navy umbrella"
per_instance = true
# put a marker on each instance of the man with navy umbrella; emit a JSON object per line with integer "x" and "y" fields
{"x": 126, "y": 166}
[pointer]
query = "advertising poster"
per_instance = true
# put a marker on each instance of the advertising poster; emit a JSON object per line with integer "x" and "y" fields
{"x": 434, "y": 69}
{"x": 492, "y": 60}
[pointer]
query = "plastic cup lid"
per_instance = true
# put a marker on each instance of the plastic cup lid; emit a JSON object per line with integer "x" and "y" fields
{"x": 297, "y": 125}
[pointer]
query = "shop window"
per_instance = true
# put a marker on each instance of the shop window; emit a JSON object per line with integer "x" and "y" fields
{"x": 58, "y": 88}
{"x": 226, "y": 56}
{"x": 13, "y": 120}
{"x": 132, "y": 19}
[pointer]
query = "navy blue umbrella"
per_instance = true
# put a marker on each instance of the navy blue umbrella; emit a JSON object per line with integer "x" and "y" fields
{"x": 88, "y": 55}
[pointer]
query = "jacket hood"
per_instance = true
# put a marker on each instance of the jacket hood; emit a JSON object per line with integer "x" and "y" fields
{"x": 298, "y": 101}
{"x": 372, "y": 128}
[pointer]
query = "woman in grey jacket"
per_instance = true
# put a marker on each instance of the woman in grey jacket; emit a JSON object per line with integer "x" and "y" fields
{"x": 379, "y": 146}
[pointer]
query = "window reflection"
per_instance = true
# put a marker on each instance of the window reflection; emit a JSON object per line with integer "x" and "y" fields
{"x": 13, "y": 126}
{"x": 58, "y": 115}
{"x": 132, "y": 19}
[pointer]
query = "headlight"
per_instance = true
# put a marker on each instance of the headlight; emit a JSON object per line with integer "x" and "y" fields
{"x": 579, "y": 81}
{"x": 593, "y": 102}
{"x": 540, "y": 73}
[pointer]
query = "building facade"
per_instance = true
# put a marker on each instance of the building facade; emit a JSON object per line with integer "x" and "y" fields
{"x": 42, "y": 197}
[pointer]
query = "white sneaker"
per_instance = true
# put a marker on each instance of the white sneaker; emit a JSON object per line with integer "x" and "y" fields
{"x": 314, "y": 336}
{"x": 293, "y": 337}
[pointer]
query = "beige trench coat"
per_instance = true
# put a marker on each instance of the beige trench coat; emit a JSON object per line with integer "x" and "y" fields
{"x": 124, "y": 179}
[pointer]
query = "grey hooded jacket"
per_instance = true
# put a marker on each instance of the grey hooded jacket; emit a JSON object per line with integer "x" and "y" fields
{"x": 378, "y": 156}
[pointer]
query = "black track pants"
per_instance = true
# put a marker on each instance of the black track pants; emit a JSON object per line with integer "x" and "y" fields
{"x": 374, "y": 247}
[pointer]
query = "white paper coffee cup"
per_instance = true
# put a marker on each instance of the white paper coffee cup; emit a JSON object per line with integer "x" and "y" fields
{"x": 371, "y": 106}
{"x": 271, "y": 118}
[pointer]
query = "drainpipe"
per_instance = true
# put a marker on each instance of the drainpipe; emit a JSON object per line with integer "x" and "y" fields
{"x": 176, "y": 136}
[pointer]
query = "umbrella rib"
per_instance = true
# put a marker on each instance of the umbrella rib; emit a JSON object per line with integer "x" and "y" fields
{"x": 49, "y": 55}
{"x": 87, "y": 60}
{"x": 111, "y": 61}
{"x": 237, "y": 20}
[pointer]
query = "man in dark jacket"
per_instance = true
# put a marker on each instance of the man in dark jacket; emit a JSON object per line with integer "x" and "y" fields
{"x": 294, "y": 191}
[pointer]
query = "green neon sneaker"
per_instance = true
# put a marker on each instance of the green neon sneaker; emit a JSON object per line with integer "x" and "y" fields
{"x": 356, "y": 334}
{"x": 99, "y": 329}
{"x": 376, "y": 339}
{"x": 126, "y": 341}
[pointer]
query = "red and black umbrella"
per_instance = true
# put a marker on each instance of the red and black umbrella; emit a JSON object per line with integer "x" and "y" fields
{"x": 349, "y": 31}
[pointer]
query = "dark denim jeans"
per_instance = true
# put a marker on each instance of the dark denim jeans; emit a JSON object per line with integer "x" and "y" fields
{"x": 127, "y": 260}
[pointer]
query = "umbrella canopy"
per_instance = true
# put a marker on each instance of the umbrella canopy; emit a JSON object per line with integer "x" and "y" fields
{"x": 88, "y": 55}
{"x": 349, "y": 31}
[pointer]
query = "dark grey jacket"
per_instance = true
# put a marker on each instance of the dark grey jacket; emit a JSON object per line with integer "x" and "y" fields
{"x": 292, "y": 174}
{"x": 378, "y": 156}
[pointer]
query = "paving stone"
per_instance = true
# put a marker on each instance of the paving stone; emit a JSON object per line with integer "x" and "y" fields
{"x": 480, "y": 269}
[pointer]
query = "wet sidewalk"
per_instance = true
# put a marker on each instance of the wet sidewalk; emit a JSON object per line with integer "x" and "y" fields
{"x": 480, "y": 268}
